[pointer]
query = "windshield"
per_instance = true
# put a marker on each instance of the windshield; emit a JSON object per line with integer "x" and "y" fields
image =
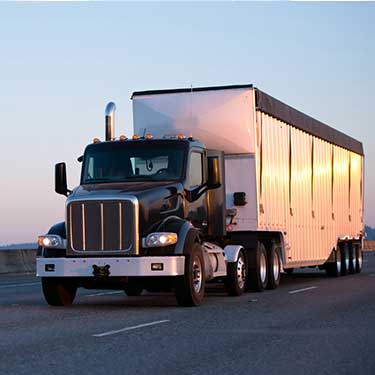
{"x": 133, "y": 161}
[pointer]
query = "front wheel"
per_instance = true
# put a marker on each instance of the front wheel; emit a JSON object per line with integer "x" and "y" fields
{"x": 58, "y": 291}
{"x": 189, "y": 288}
{"x": 236, "y": 276}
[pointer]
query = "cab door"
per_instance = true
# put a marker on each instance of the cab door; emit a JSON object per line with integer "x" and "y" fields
{"x": 196, "y": 189}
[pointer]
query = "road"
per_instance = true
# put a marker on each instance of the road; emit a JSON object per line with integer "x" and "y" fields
{"x": 312, "y": 324}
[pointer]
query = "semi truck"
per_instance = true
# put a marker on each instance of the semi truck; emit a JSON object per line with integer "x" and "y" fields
{"x": 217, "y": 184}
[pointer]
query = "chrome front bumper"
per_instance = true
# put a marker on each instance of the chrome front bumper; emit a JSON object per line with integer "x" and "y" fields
{"x": 137, "y": 266}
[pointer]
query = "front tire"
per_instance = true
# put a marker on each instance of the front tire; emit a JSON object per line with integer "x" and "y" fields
{"x": 257, "y": 275}
{"x": 236, "y": 276}
{"x": 58, "y": 291}
{"x": 189, "y": 288}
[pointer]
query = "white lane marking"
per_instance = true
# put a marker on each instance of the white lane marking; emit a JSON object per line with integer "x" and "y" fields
{"x": 105, "y": 293}
{"x": 130, "y": 328}
{"x": 302, "y": 290}
{"x": 17, "y": 285}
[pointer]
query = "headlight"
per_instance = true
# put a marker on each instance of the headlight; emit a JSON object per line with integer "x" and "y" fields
{"x": 159, "y": 239}
{"x": 52, "y": 241}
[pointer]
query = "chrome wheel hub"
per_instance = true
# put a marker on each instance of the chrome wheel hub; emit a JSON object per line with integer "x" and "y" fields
{"x": 263, "y": 268}
{"x": 338, "y": 262}
{"x": 276, "y": 266}
{"x": 197, "y": 275}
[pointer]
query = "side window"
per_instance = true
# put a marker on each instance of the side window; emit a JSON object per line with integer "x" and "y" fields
{"x": 195, "y": 169}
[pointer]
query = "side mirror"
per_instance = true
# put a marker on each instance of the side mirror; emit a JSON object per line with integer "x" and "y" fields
{"x": 60, "y": 179}
{"x": 213, "y": 172}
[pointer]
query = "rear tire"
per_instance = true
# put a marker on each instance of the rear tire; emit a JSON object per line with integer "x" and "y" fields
{"x": 58, "y": 291}
{"x": 274, "y": 266}
{"x": 344, "y": 259}
{"x": 189, "y": 288}
{"x": 334, "y": 269}
{"x": 359, "y": 255}
{"x": 352, "y": 259}
{"x": 257, "y": 269}
{"x": 236, "y": 276}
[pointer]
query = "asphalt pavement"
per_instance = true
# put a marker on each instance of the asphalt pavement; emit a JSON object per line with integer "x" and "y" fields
{"x": 311, "y": 324}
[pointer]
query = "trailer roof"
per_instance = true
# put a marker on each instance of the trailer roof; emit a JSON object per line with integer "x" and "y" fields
{"x": 274, "y": 107}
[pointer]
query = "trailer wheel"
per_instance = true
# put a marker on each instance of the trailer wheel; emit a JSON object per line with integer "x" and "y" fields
{"x": 344, "y": 259}
{"x": 274, "y": 265}
{"x": 58, "y": 291}
{"x": 359, "y": 256}
{"x": 257, "y": 274}
{"x": 236, "y": 276}
{"x": 334, "y": 269}
{"x": 189, "y": 288}
{"x": 352, "y": 259}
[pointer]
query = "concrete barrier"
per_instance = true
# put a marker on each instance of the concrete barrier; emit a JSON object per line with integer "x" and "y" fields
{"x": 17, "y": 261}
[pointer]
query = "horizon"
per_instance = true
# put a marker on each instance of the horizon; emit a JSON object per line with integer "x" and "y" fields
{"x": 62, "y": 62}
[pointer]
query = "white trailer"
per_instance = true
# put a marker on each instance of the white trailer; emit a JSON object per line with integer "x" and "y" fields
{"x": 294, "y": 182}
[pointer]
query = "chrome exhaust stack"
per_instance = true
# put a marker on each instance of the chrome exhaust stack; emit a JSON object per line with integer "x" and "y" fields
{"x": 110, "y": 121}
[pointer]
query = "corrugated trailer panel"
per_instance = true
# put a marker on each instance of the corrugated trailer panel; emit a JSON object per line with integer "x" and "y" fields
{"x": 273, "y": 177}
{"x": 303, "y": 190}
{"x": 356, "y": 205}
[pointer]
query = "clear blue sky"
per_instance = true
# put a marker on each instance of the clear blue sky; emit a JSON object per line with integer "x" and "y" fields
{"x": 60, "y": 63}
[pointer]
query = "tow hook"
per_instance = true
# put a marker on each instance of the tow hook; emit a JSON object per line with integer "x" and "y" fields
{"x": 101, "y": 271}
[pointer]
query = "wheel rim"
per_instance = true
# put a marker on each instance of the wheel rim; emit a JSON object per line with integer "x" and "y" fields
{"x": 359, "y": 259}
{"x": 241, "y": 271}
{"x": 354, "y": 259}
{"x": 197, "y": 275}
{"x": 263, "y": 268}
{"x": 346, "y": 260}
{"x": 276, "y": 266}
{"x": 338, "y": 262}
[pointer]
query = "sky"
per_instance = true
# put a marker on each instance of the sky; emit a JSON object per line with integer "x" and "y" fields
{"x": 60, "y": 63}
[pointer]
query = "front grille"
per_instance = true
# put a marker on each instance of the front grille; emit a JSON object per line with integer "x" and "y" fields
{"x": 102, "y": 226}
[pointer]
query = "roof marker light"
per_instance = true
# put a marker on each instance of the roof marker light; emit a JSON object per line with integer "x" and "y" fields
{"x": 148, "y": 136}
{"x": 95, "y": 140}
{"x": 180, "y": 136}
{"x": 122, "y": 137}
{"x": 135, "y": 137}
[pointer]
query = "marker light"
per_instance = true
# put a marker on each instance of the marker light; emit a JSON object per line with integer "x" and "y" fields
{"x": 52, "y": 241}
{"x": 95, "y": 140}
{"x": 180, "y": 136}
{"x": 148, "y": 136}
{"x": 160, "y": 239}
{"x": 122, "y": 137}
{"x": 135, "y": 137}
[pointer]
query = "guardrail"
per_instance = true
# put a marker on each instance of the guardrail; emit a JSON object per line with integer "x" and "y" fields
{"x": 17, "y": 261}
